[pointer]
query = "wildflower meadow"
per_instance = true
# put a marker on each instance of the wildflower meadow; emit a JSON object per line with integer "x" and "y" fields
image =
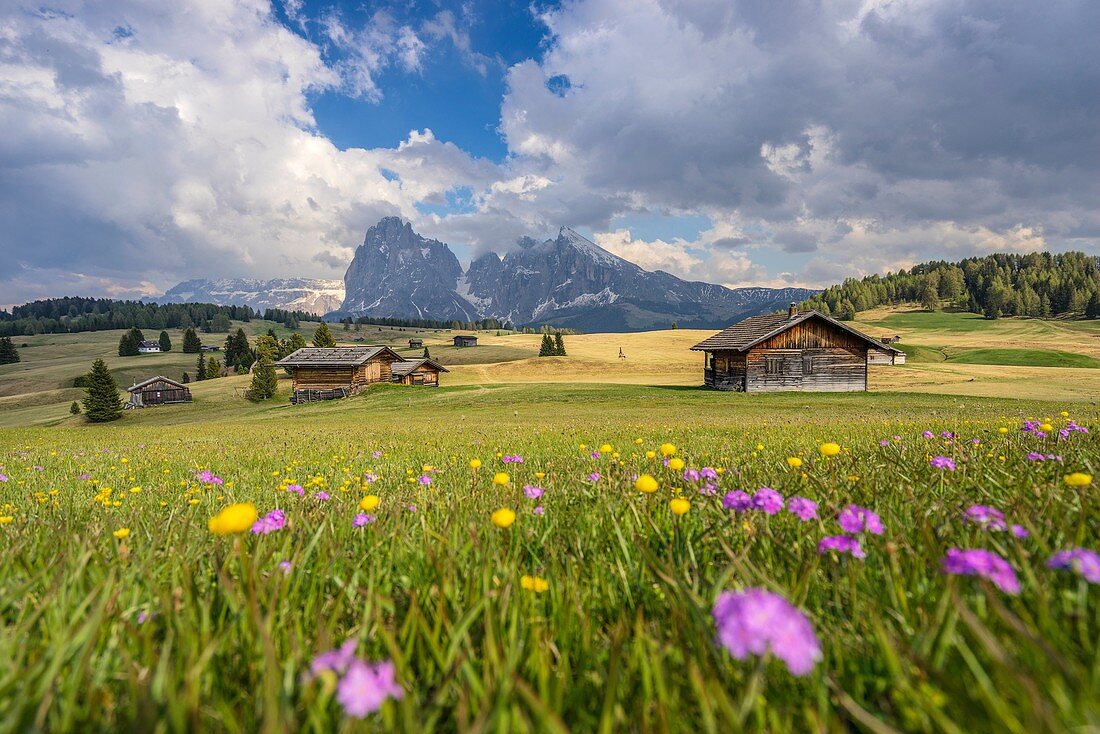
{"x": 560, "y": 559}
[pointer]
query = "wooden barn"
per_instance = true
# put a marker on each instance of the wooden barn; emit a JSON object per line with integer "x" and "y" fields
{"x": 325, "y": 373}
{"x": 789, "y": 351}
{"x": 157, "y": 391}
{"x": 463, "y": 340}
{"x": 414, "y": 343}
{"x": 418, "y": 372}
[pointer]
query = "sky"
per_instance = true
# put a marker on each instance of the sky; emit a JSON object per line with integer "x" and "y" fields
{"x": 774, "y": 142}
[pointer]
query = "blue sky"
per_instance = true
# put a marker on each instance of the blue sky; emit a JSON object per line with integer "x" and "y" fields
{"x": 743, "y": 142}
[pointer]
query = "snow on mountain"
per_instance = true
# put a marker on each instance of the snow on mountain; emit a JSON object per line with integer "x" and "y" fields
{"x": 293, "y": 294}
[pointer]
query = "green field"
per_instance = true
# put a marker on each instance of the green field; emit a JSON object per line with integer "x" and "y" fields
{"x": 175, "y": 628}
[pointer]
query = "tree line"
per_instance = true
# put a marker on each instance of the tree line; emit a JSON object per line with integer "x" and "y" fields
{"x": 1039, "y": 285}
{"x": 75, "y": 314}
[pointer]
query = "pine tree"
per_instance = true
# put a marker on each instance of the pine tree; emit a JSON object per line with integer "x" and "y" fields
{"x": 74, "y": 409}
{"x": 1092, "y": 310}
{"x": 191, "y": 342}
{"x": 295, "y": 342}
{"x": 559, "y": 345}
{"x": 264, "y": 381}
{"x": 238, "y": 352}
{"x": 128, "y": 344}
{"x": 322, "y": 337}
{"x": 8, "y": 353}
{"x": 213, "y": 368}
{"x": 101, "y": 401}
{"x": 200, "y": 369}
{"x": 547, "y": 347}
{"x": 165, "y": 342}
{"x": 426, "y": 355}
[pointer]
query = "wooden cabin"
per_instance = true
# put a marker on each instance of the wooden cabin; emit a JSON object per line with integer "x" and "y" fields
{"x": 157, "y": 391}
{"x": 463, "y": 340}
{"x": 885, "y": 356}
{"x": 414, "y": 343}
{"x": 417, "y": 372}
{"x": 322, "y": 373}
{"x": 148, "y": 347}
{"x": 789, "y": 351}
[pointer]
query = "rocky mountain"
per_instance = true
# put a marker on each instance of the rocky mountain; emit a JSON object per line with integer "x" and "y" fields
{"x": 398, "y": 273}
{"x": 568, "y": 281}
{"x": 294, "y": 294}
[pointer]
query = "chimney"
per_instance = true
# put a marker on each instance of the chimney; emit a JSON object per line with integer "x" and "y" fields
{"x": 792, "y": 311}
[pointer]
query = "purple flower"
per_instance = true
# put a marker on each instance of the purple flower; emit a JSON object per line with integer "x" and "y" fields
{"x": 840, "y": 544}
{"x": 1035, "y": 456}
{"x": 411, "y": 508}
{"x": 336, "y": 660}
{"x": 980, "y": 562}
{"x": 884, "y": 442}
{"x": 376, "y": 454}
{"x": 82, "y": 477}
{"x": 758, "y": 622}
{"x": 928, "y": 434}
{"x": 708, "y": 473}
{"x": 512, "y": 459}
{"x": 296, "y": 489}
{"x": 947, "y": 434}
{"x": 424, "y": 480}
{"x": 532, "y": 492}
{"x": 595, "y": 454}
{"x": 1019, "y": 531}
{"x": 539, "y": 510}
{"x": 709, "y": 489}
{"x": 3, "y": 477}
{"x": 269, "y": 523}
{"x": 737, "y": 501}
{"x": 321, "y": 495}
{"x": 943, "y": 462}
{"x": 39, "y": 467}
{"x": 362, "y": 519}
{"x": 768, "y": 500}
{"x": 1082, "y": 560}
{"x": 284, "y": 566}
{"x": 142, "y": 617}
{"x": 856, "y": 519}
{"x": 365, "y": 687}
{"x": 805, "y": 509}
{"x": 691, "y": 475}
{"x": 370, "y": 477}
{"x": 594, "y": 476}
{"x": 988, "y": 517}
{"x": 208, "y": 477}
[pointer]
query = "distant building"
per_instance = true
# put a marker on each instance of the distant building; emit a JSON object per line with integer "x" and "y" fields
{"x": 205, "y": 348}
{"x": 414, "y": 343}
{"x": 791, "y": 351}
{"x": 157, "y": 391}
{"x": 322, "y": 373}
{"x": 465, "y": 341}
{"x": 148, "y": 347}
{"x": 417, "y": 372}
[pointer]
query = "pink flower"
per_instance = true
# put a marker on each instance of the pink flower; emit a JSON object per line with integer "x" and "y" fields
{"x": 365, "y": 687}
{"x": 840, "y": 544}
{"x": 768, "y": 500}
{"x": 425, "y": 480}
{"x": 362, "y": 519}
{"x": 856, "y": 519}
{"x": 758, "y": 622}
{"x": 980, "y": 562}
{"x": 296, "y": 489}
{"x": 803, "y": 508}
{"x": 532, "y": 492}
{"x": 321, "y": 495}
{"x": 269, "y": 523}
{"x": 539, "y": 510}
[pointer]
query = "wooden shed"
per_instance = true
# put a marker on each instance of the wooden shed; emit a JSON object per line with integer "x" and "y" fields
{"x": 789, "y": 351}
{"x": 418, "y": 372}
{"x": 157, "y": 391}
{"x": 322, "y": 373}
{"x": 414, "y": 343}
{"x": 463, "y": 340}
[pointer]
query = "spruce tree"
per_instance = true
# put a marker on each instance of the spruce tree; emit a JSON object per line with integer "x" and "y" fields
{"x": 8, "y": 353}
{"x": 74, "y": 409}
{"x": 191, "y": 342}
{"x": 213, "y": 368}
{"x": 547, "y": 347}
{"x": 295, "y": 342}
{"x": 1092, "y": 310}
{"x": 264, "y": 381}
{"x": 559, "y": 345}
{"x": 101, "y": 401}
{"x": 128, "y": 344}
{"x": 322, "y": 337}
{"x": 200, "y": 369}
{"x": 165, "y": 342}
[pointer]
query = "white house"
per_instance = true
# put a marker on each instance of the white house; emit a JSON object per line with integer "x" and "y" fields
{"x": 148, "y": 347}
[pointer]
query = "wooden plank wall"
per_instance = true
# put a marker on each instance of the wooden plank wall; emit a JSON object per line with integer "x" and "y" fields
{"x": 834, "y": 370}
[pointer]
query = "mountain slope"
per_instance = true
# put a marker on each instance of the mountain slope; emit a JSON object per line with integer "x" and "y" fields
{"x": 293, "y": 294}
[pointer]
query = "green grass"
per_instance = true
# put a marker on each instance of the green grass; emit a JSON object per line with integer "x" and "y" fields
{"x": 934, "y": 320}
{"x": 1023, "y": 358}
{"x": 623, "y": 639}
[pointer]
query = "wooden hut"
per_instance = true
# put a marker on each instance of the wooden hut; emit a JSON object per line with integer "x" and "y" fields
{"x": 417, "y": 372}
{"x": 414, "y": 343}
{"x": 325, "y": 373}
{"x": 464, "y": 340}
{"x": 789, "y": 351}
{"x": 157, "y": 391}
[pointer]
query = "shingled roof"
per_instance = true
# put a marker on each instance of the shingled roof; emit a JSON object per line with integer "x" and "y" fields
{"x": 749, "y": 332}
{"x": 334, "y": 356}
{"x": 138, "y": 385}
{"x": 404, "y": 367}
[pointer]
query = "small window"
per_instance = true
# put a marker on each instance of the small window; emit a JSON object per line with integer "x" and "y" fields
{"x": 773, "y": 365}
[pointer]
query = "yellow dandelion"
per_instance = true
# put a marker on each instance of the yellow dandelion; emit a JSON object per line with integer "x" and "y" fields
{"x": 606, "y": 448}
{"x": 503, "y": 517}
{"x": 679, "y": 506}
{"x": 676, "y": 464}
{"x": 1077, "y": 479}
{"x": 794, "y": 462}
{"x": 501, "y": 478}
{"x": 540, "y": 474}
{"x": 6, "y": 519}
{"x": 236, "y": 518}
{"x": 121, "y": 533}
{"x": 1046, "y": 428}
{"x": 651, "y": 454}
{"x": 475, "y": 463}
{"x": 830, "y": 449}
{"x": 369, "y": 503}
{"x": 667, "y": 449}
{"x": 646, "y": 484}
{"x": 536, "y": 584}
{"x": 1002, "y": 429}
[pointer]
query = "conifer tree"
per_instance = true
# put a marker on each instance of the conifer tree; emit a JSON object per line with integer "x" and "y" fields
{"x": 165, "y": 342}
{"x": 191, "y": 342}
{"x": 101, "y": 401}
{"x": 74, "y": 409}
{"x": 1092, "y": 310}
{"x": 8, "y": 353}
{"x": 322, "y": 337}
{"x": 426, "y": 355}
{"x": 186, "y": 378}
{"x": 200, "y": 369}
{"x": 213, "y": 368}
{"x": 559, "y": 345}
{"x": 264, "y": 380}
{"x": 129, "y": 342}
{"x": 295, "y": 342}
{"x": 547, "y": 347}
